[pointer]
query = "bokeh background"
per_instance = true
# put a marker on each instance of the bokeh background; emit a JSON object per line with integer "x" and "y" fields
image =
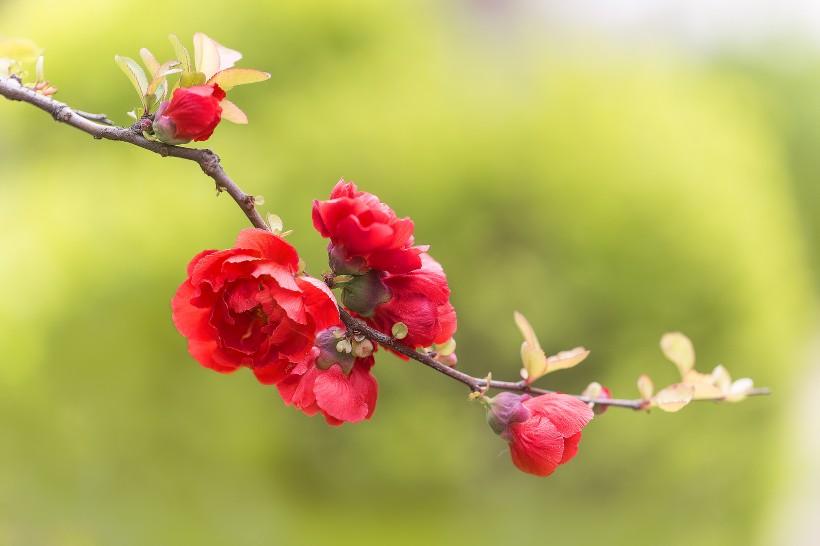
{"x": 611, "y": 170}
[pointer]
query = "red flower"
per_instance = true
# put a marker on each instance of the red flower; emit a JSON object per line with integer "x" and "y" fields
{"x": 421, "y": 300}
{"x": 366, "y": 228}
{"x": 340, "y": 397}
{"x": 543, "y": 432}
{"x": 245, "y": 306}
{"x": 192, "y": 114}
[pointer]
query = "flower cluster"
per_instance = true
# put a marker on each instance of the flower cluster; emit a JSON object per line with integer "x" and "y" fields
{"x": 387, "y": 279}
{"x": 251, "y": 306}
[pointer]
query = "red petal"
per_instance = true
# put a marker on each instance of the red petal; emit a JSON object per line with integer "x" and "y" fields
{"x": 568, "y": 414}
{"x": 270, "y": 247}
{"x": 338, "y": 398}
{"x": 537, "y": 447}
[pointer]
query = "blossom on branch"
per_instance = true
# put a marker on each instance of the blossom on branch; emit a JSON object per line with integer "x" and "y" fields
{"x": 360, "y": 226}
{"x": 387, "y": 280}
{"x": 192, "y": 114}
{"x": 421, "y": 300}
{"x": 543, "y": 431}
{"x": 248, "y": 306}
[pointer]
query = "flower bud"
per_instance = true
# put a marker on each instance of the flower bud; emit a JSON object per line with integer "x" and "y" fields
{"x": 192, "y": 114}
{"x": 364, "y": 292}
{"x": 329, "y": 354}
{"x": 543, "y": 431}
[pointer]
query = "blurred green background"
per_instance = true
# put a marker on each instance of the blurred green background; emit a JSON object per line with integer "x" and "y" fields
{"x": 609, "y": 188}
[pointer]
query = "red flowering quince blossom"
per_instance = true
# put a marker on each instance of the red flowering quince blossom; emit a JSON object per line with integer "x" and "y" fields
{"x": 192, "y": 114}
{"x": 367, "y": 229}
{"x": 336, "y": 383}
{"x": 421, "y": 300}
{"x": 246, "y": 306}
{"x": 543, "y": 431}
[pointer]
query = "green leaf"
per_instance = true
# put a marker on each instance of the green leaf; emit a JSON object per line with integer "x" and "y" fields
{"x": 181, "y": 53}
{"x": 231, "y": 77}
{"x": 166, "y": 68}
{"x": 151, "y": 100}
{"x": 189, "y": 79}
{"x": 150, "y": 62}
{"x": 134, "y": 72}
{"x": 679, "y": 349}
{"x": 232, "y": 113}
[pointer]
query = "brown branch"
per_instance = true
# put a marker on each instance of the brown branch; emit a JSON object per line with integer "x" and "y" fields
{"x": 12, "y": 89}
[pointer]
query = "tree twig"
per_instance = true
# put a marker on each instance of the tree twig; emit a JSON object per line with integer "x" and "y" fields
{"x": 12, "y": 89}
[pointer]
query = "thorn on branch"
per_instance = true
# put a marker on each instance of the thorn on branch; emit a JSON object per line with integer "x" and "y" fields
{"x": 99, "y": 118}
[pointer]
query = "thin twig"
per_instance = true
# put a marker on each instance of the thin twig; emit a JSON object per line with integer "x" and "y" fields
{"x": 99, "y": 118}
{"x": 207, "y": 160}
{"x": 12, "y": 89}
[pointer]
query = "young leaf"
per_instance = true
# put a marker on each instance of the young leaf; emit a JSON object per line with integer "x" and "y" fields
{"x": 526, "y": 330}
{"x": 210, "y": 56}
{"x": 645, "y": 387}
{"x": 189, "y": 79}
{"x": 181, "y": 53}
{"x": 674, "y": 397}
{"x": 566, "y": 359}
{"x": 150, "y": 62}
{"x": 678, "y": 348}
{"x": 231, "y": 77}
{"x": 134, "y": 72}
{"x": 39, "y": 73}
{"x": 231, "y": 112}
{"x": 161, "y": 71}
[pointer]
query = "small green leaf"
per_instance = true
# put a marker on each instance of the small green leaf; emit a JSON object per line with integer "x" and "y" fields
{"x": 134, "y": 72}
{"x": 181, "y": 53}
{"x": 151, "y": 100}
{"x": 163, "y": 70}
{"x": 679, "y": 349}
{"x": 150, "y": 62}
{"x": 232, "y": 113}
{"x": 645, "y": 387}
{"x": 275, "y": 223}
{"x": 231, "y": 77}
{"x": 189, "y": 79}
{"x": 674, "y": 397}
{"x": 526, "y": 330}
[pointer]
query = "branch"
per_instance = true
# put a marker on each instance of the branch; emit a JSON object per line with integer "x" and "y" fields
{"x": 12, "y": 89}
{"x": 98, "y": 126}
